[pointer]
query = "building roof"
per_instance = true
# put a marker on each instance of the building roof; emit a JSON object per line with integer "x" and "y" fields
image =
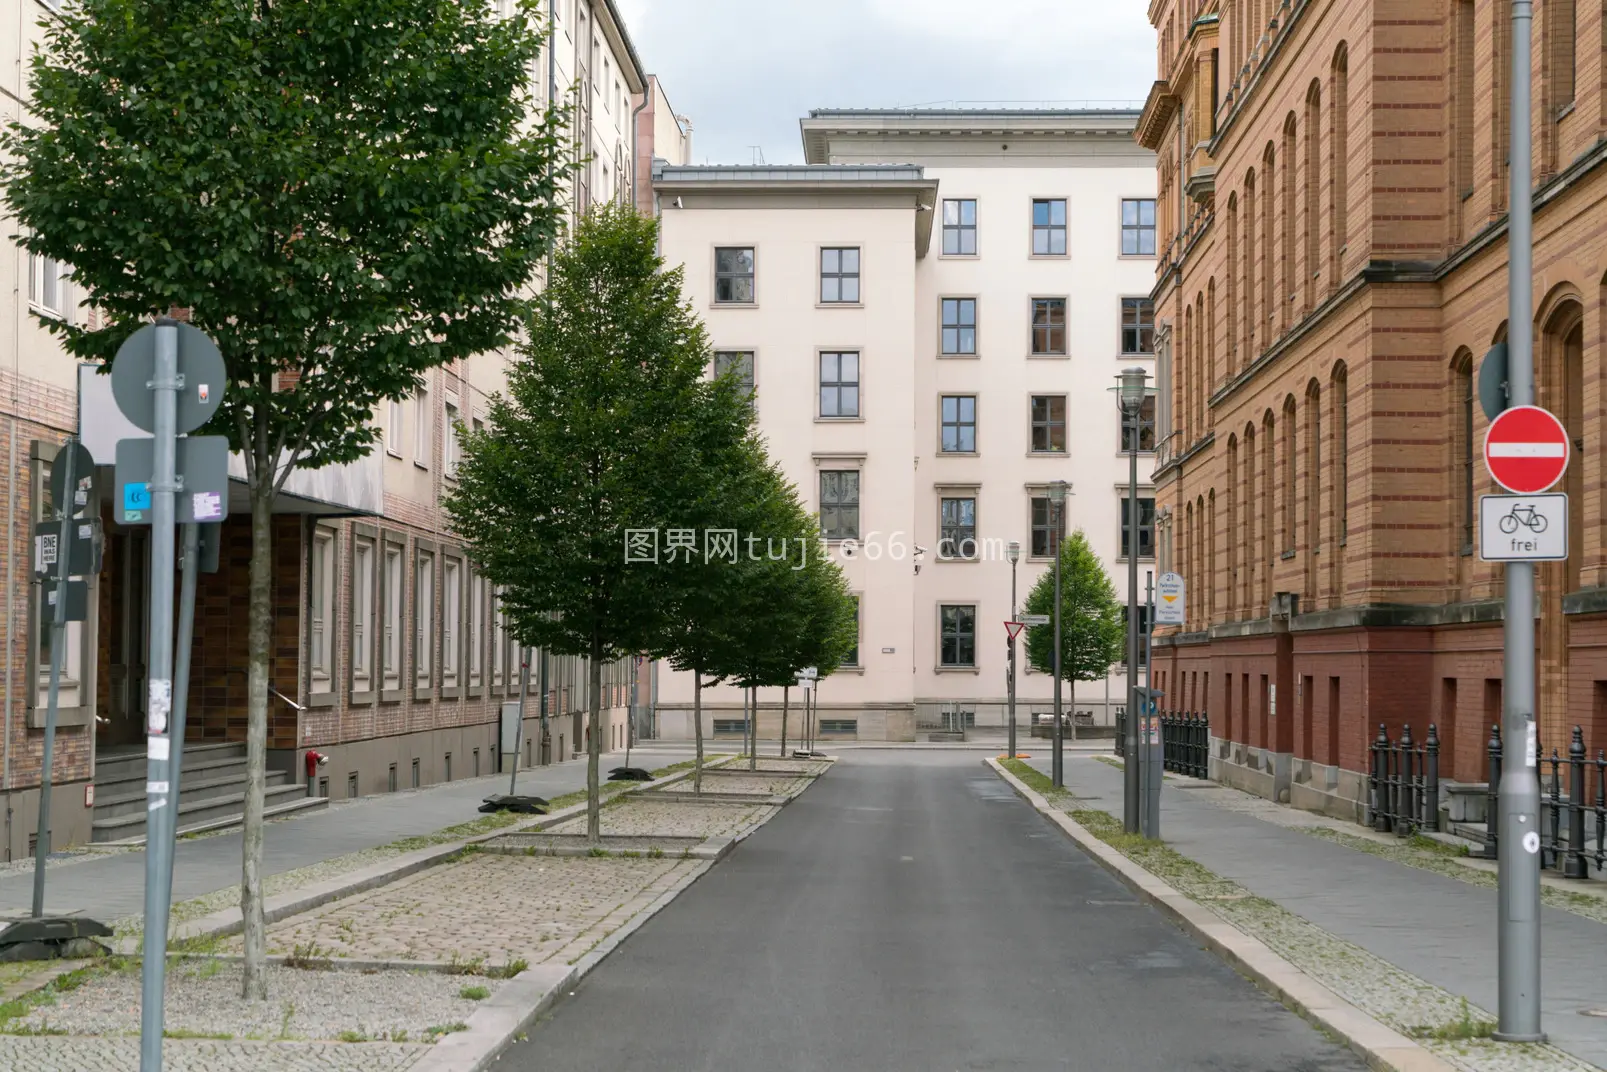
{"x": 821, "y": 124}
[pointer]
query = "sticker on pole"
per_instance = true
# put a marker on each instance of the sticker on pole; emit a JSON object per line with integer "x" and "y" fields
{"x": 1531, "y": 843}
{"x": 1526, "y": 450}
{"x": 1170, "y": 601}
{"x": 1013, "y": 629}
{"x": 159, "y": 701}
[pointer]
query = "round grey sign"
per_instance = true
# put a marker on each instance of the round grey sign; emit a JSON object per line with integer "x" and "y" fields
{"x": 200, "y": 364}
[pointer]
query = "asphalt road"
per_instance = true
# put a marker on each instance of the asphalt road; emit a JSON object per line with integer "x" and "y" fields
{"x": 908, "y": 912}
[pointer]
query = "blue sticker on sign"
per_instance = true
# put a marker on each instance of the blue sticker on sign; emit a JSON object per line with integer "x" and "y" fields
{"x": 136, "y": 497}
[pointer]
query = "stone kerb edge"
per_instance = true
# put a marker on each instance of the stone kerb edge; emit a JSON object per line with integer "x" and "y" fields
{"x": 1381, "y": 1046}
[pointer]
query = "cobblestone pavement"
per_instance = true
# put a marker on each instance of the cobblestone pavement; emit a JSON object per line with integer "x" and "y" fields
{"x": 26, "y": 1053}
{"x": 203, "y": 999}
{"x": 488, "y": 907}
{"x": 758, "y": 784}
{"x": 811, "y": 767}
{"x": 642, "y": 816}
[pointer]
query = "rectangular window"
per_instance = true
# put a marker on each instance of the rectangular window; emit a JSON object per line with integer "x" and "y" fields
{"x": 852, "y": 658}
{"x": 1049, "y": 325}
{"x": 1043, "y": 526}
{"x": 959, "y": 424}
{"x": 839, "y": 504}
{"x": 1146, "y": 527}
{"x": 839, "y": 275}
{"x": 393, "y": 427}
{"x": 959, "y": 227}
{"x": 742, "y": 362}
{"x": 958, "y": 628}
{"x": 499, "y": 640}
{"x": 959, "y": 325}
{"x": 1049, "y": 424}
{"x": 733, "y": 275}
{"x": 1138, "y": 326}
{"x": 48, "y": 285}
{"x": 1138, "y": 227}
{"x": 362, "y": 616}
{"x": 421, "y": 427}
{"x": 450, "y": 459}
{"x": 839, "y": 727}
{"x": 1563, "y": 15}
{"x": 1049, "y": 227}
{"x": 451, "y": 617}
{"x": 321, "y": 607}
{"x": 1146, "y": 427}
{"x": 474, "y": 633}
{"x": 1143, "y": 632}
{"x": 391, "y": 649}
{"x": 423, "y": 620}
{"x": 957, "y": 527}
{"x": 839, "y": 384}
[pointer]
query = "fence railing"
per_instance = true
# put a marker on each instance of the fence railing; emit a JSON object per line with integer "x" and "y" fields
{"x": 1404, "y": 797}
{"x": 1185, "y": 741}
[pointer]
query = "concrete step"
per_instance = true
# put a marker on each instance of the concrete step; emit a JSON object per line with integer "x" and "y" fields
{"x": 126, "y": 765}
{"x": 202, "y": 767}
{"x": 211, "y": 813}
{"x": 130, "y": 796}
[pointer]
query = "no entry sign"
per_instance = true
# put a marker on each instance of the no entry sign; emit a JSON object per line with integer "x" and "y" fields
{"x": 1526, "y": 450}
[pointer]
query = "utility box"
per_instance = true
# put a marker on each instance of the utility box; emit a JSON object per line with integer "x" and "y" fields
{"x": 1151, "y": 761}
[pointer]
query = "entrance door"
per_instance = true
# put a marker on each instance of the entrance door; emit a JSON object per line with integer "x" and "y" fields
{"x": 131, "y": 557}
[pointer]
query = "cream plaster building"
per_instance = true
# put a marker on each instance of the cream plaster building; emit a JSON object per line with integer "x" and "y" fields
{"x": 932, "y": 310}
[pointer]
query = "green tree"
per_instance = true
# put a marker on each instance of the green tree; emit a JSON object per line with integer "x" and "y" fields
{"x": 1091, "y": 627}
{"x": 342, "y": 193}
{"x": 608, "y": 440}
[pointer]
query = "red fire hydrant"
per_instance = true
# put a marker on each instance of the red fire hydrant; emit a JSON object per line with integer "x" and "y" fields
{"x": 314, "y": 761}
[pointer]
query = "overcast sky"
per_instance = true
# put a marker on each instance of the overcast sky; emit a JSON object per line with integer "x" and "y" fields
{"x": 745, "y": 71}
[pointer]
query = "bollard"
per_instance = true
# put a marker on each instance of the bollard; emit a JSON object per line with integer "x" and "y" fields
{"x": 1405, "y": 783}
{"x": 1378, "y": 791}
{"x": 1551, "y": 808}
{"x": 1601, "y": 808}
{"x": 1431, "y": 779}
{"x": 1574, "y": 864}
{"x": 1492, "y": 814}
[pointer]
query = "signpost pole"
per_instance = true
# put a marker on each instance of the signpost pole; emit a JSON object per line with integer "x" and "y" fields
{"x": 58, "y": 642}
{"x": 1518, "y": 797}
{"x": 159, "y": 848}
{"x": 181, "y": 686}
{"x": 519, "y": 733}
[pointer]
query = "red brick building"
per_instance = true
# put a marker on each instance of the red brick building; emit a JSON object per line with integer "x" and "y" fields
{"x": 1333, "y": 224}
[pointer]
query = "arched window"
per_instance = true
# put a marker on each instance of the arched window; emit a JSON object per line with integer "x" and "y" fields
{"x": 1291, "y": 467}
{"x": 1339, "y": 388}
{"x": 1233, "y": 525}
{"x": 1212, "y": 373}
{"x": 1266, "y": 542}
{"x": 1202, "y": 367}
{"x": 1233, "y": 283}
{"x": 1186, "y": 363}
{"x": 1210, "y": 558}
{"x": 1269, "y": 242}
{"x": 1287, "y": 288}
{"x": 1312, "y": 468}
{"x": 1339, "y": 165}
{"x": 1251, "y": 298}
{"x": 1313, "y": 165}
{"x": 1461, "y": 410}
{"x": 1247, "y": 537}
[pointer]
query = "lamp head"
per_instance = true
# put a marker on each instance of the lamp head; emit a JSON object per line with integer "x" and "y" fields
{"x": 1057, "y": 492}
{"x": 1012, "y": 551}
{"x": 1133, "y": 386}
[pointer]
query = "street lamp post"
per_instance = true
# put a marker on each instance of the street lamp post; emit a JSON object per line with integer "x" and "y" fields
{"x": 1012, "y": 551}
{"x": 1134, "y": 385}
{"x": 1057, "y": 500}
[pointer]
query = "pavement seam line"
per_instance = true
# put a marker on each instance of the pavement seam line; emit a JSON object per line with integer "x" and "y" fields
{"x": 1387, "y": 1051}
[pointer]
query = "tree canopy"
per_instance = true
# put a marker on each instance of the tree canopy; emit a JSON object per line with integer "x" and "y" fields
{"x": 1091, "y": 626}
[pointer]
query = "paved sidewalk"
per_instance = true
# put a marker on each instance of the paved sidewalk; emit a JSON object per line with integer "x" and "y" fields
{"x": 113, "y": 886}
{"x": 1435, "y": 927}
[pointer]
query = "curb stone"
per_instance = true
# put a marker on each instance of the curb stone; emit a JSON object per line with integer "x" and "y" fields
{"x": 1381, "y": 1046}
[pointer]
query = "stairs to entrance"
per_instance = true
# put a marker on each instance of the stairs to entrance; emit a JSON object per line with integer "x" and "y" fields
{"x": 211, "y": 793}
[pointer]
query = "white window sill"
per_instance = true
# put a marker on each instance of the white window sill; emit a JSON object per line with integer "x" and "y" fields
{"x": 959, "y": 357}
{"x": 956, "y": 669}
{"x": 839, "y": 420}
{"x": 733, "y": 305}
{"x": 1048, "y": 357}
{"x": 839, "y": 305}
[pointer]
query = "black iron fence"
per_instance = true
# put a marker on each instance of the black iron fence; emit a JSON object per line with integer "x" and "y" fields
{"x": 1185, "y": 741}
{"x": 1404, "y": 796}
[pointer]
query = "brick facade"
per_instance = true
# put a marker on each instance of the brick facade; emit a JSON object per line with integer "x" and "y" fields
{"x": 1334, "y": 268}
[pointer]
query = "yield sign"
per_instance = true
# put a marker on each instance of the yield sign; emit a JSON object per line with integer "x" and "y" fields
{"x": 1014, "y": 628}
{"x": 1526, "y": 450}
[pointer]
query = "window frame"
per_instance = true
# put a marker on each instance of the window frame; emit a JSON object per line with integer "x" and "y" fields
{"x": 392, "y": 652}
{"x": 421, "y": 427}
{"x": 751, "y": 381}
{"x": 1034, "y": 497}
{"x": 960, "y": 635}
{"x": 839, "y": 503}
{"x": 452, "y": 631}
{"x": 1049, "y": 303}
{"x": 1140, "y": 326}
{"x": 751, "y": 275}
{"x": 423, "y": 619}
{"x": 39, "y": 268}
{"x": 1049, "y": 424}
{"x": 855, "y": 659}
{"x": 363, "y": 613}
{"x": 1144, "y": 495}
{"x": 450, "y": 449}
{"x": 1144, "y": 426}
{"x": 960, "y": 227}
{"x": 1139, "y": 228}
{"x": 959, "y": 325}
{"x": 840, "y": 276}
{"x": 839, "y": 385}
{"x": 959, "y": 424}
{"x": 946, "y": 547}
{"x": 393, "y": 427}
{"x": 322, "y": 619}
{"x": 474, "y": 629}
{"x": 1050, "y": 229}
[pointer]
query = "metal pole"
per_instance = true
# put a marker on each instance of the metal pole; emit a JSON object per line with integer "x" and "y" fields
{"x": 159, "y": 850}
{"x": 1518, "y": 877}
{"x": 1057, "y": 763}
{"x": 181, "y": 688}
{"x": 1152, "y": 769}
{"x": 630, "y": 722}
{"x": 546, "y": 734}
{"x": 1130, "y": 790}
{"x": 1011, "y": 682}
{"x": 58, "y": 645}
{"x": 519, "y": 730}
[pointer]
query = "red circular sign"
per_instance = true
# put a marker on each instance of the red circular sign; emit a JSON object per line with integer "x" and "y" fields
{"x": 1526, "y": 450}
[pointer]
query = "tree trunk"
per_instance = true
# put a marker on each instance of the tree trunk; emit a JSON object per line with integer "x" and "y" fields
{"x": 753, "y": 722}
{"x": 784, "y": 690}
{"x": 697, "y": 730}
{"x": 259, "y": 629}
{"x": 594, "y": 743}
